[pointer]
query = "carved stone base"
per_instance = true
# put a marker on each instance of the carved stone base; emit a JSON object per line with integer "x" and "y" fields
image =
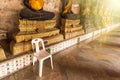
{"x": 73, "y": 34}
{"x": 22, "y": 47}
{"x": 53, "y": 39}
{"x": 71, "y": 28}
{"x": 33, "y": 25}
{"x": 26, "y": 36}
{"x": 41, "y": 29}
{"x": 69, "y": 23}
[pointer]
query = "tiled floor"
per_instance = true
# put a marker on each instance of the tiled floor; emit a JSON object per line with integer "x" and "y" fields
{"x": 98, "y": 60}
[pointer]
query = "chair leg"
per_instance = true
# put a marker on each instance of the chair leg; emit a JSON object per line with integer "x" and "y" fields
{"x": 51, "y": 62}
{"x": 34, "y": 59}
{"x": 40, "y": 67}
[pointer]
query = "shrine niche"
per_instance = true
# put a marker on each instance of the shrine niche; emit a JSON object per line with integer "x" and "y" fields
{"x": 70, "y": 19}
{"x": 37, "y": 20}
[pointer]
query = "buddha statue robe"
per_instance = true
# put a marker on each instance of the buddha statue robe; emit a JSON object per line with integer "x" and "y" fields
{"x": 34, "y": 11}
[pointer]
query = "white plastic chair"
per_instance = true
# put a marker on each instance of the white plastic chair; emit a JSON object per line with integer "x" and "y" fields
{"x": 40, "y": 55}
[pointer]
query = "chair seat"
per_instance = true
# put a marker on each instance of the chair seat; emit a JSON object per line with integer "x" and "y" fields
{"x": 42, "y": 54}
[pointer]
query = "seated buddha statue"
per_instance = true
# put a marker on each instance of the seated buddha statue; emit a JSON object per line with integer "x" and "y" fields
{"x": 70, "y": 10}
{"x": 34, "y": 11}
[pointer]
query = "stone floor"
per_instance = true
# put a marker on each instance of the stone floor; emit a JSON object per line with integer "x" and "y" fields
{"x": 97, "y": 60}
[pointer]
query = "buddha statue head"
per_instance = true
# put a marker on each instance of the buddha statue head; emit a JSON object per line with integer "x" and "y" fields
{"x": 75, "y": 8}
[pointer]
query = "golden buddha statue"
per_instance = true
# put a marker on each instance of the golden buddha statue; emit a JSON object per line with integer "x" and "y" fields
{"x": 70, "y": 10}
{"x": 34, "y": 11}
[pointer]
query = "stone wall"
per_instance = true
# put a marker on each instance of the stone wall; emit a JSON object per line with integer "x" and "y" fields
{"x": 9, "y": 14}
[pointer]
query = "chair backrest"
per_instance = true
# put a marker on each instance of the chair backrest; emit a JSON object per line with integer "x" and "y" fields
{"x": 35, "y": 43}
